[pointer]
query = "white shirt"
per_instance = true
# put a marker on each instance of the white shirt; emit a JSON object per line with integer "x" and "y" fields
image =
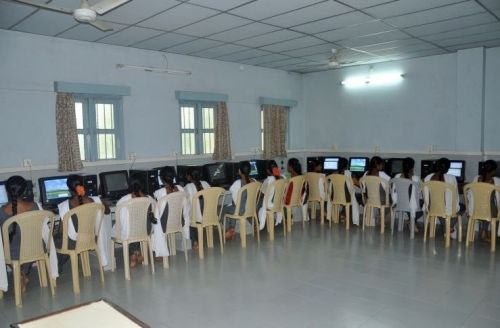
{"x": 124, "y": 217}
{"x": 191, "y": 190}
{"x": 270, "y": 179}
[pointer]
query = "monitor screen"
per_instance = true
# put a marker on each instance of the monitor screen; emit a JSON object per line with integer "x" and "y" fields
{"x": 396, "y": 166}
{"x": 254, "y": 171}
{"x": 456, "y": 169}
{"x": 217, "y": 172}
{"x": 116, "y": 181}
{"x": 56, "y": 189}
{"x": 357, "y": 164}
{"x": 3, "y": 194}
{"x": 331, "y": 164}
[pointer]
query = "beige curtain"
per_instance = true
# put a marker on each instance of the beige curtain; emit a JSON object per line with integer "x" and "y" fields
{"x": 275, "y": 122}
{"x": 67, "y": 138}
{"x": 222, "y": 144}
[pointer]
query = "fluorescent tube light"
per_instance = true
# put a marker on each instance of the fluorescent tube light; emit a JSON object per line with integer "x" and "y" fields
{"x": 376, "y": 79}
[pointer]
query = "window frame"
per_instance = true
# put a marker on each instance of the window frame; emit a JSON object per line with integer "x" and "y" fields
{"x": 90, "y": 130}
{"x": 198, "y": 130}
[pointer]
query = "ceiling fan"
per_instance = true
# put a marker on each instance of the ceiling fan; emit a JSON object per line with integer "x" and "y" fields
{"x": 86, "y": 13}
{"x": 337, "y": 60}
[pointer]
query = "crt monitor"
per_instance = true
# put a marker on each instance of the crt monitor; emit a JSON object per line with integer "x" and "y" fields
{"x": 331, "y": 164}
{"x": 53, "y": 190}
{"x": 394, "y": 166}
{"x": 427, "y": 166}
{"x": 3, "y": 194}
{"x": 254, "y": 171}
{"x": 358, "y": 164}
{"x": 114, "y": 184}
{"x": 457, "y": 169}
{"x": 311, "y": 161}
{"x": 216, "y": 173}
{"x": 182, "y": 171}
{"x": 170, "y": 169}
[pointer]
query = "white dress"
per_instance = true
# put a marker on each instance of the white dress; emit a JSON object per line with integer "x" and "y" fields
{"x": 162, "y": 192}
{"x": 102, "y": 230}
{"x": 191, "y": 190}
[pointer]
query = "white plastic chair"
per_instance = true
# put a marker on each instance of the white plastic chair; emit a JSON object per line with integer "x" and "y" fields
{"x": 403, "y": 189}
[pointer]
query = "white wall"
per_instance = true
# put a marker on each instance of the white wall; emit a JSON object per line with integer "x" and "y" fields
{"x": 492, "y": 101}
{"x": 29, "y": 65}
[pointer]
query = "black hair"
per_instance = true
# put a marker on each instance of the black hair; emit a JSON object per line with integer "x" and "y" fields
{"x": 270, "y": 165}
{"x": 72, "y": 182}
{"x": 295, "y": 165}
{"x": 343, "y": 164}
{"x": 136, "y": 185}
{"x": 489, "y": 166}
{"x": 442, "y": 166}
{"x": 408, "y": 166}
{"x": 167, "y": 176}
{"x": 196, "y": 177}
{"x": 315, "y": 163}
{"x": 245, "y": 168}
{"x": 375, "y": 161}
{"x": 15, "y": 186}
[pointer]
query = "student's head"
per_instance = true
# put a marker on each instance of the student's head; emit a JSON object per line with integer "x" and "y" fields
{"x": 408, "y": 166}
{"x": 167, "y": 177}
{"x": 194, "y": 176}
{"x": 136, "y": 185}
{"x": 244, "y": 169}
{"x": 15, "y": 186}
{"x": 376, "y": 164}
{"x": 343, "y": 164}
{"x": 270, "y": 165}
{"x": 489, "y": 169}
{"x": 294, "y": 167}
{"x": 75, "y": 185}
{"x": 442, "y": 165}
{"x": 317, "y": 166}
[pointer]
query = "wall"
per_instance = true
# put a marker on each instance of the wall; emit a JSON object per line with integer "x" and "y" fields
{"x": 492, "y": 101}
{"x": 29, "y": 65}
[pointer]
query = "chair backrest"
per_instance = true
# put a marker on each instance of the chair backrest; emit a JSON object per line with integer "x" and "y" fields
{"x": 480, "y": 194}
{"x": 213, "y": 200}
{"x": 279, "y": 194}
{"x": 30, "y": 224}
{"x": 403, "y": 188}
{"x": 252, "y": 191}
{"x": 175, "y": 203}
{"x": 138, "y": 209}
{"x": 87, "y": 217}
{"x": 371, "y": 186}
{"x": 313, "y": 180}
{"x": 337, "y": 188}
{"x": 435, "y": 193}
{"x": 298, "y": 184}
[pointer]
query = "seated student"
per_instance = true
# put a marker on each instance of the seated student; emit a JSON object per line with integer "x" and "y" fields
{"x": 167, "y": 178}
{"x": 318, "y": 168}
{"x": 244, "y": 174}
{"x": 409, "y": 173}
{"x": 442, "y": 167}
{"x": 294, "y": 168}
{"x": 488, "y": 176}
{"x": 376, "y": 168}
{"x": 273, "y": 174}
{"x": 195, "y": 184}
{"x": 15, "y": 187}
{"x": 78, "y": 197}
{"x": 137, "y": 190}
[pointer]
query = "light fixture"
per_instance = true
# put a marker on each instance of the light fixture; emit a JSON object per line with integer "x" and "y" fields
{"x": 155, "y": 69}
{"x": 375, "y": 79}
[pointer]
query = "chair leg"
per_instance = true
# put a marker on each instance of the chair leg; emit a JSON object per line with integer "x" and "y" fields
{"x": 74, "y": 272}
{"x": 184, "y": 244}
{"x": 221, "y": 237}
{"x": 113, "y": 259}
{"x": 16, "y": 268}
{"x": 151, "y": 258}
{"x": 126, "y": 261}
{"x": 99, "y": 261}
{"x": 365, "y": 212}
{"x": 145, "y": 252}
{"x": 493, "y": 234}
{"x": 347, "y": 216}
{"x": 211, "y": 236}
{"x": 382, "y": 220}
{"x": 392, "y": 221}
{"x": 200, "y": 242}
{"x": 43, "y": 273}
{"x": 243, "y": 233}
{"x": 49, "y": 275}
{"x": 426, "y": 227}
{"x": 448, "y": 232}
{"x": 322, "y": 211}
{"x": 289, "y": 220}
{"x": 270, "y": 225}
{"x": 459, "y": 218}
{"x": 224, "y": 228}
{"x": 412, "y": 227}
{"x": 467, "y": 234}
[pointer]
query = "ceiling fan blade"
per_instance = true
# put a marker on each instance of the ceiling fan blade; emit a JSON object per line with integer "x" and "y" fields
{"x": 46, "y": 6}
{"x": 104, "y": 6}
{"x": 101, "y": 25}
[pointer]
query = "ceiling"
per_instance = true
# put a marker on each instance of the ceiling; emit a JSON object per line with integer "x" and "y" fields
{"x": 292, "y": 35}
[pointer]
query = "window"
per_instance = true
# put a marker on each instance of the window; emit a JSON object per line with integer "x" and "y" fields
{"x": 98, "y": 123}
{"x": 197, "y": 128}
{"x": 262, "y": 129}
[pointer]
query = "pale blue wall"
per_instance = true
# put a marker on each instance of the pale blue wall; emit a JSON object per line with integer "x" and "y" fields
{"x": 492, "y": 101}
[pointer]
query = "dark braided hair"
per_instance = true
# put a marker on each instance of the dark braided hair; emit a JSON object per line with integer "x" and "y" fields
{"x": 295, "y": 165}
{"x": 136, "y": 185}
{"x": 408, "y": 166}
{"x": 343, "y": 164}
{"x": 490, "y": 166}
{"x": 73, "y": 182}
{"x": 442, "y": 167}
{"x": 15, "y": 186}
{"x": 245, "y": 169}
{"x": 196, "y": 178}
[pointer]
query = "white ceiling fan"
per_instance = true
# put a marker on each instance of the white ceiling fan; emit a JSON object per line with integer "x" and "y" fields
{"x": 337, "y": 60}
{"x": 86, "y": 13}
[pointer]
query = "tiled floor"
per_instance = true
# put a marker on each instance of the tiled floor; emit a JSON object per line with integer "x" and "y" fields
{"x": 315, "y": 278}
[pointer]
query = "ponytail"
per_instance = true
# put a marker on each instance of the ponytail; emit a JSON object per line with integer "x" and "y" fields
{"x": 195, "y": 176}
{"x": 490, "y": 166}
{"x": 408, "y": 165}
{"x": 75, "y": 185}
{"x": 15, "y": 187}
{"x": 245, "y": 168}
{"x": 294, "y": 164}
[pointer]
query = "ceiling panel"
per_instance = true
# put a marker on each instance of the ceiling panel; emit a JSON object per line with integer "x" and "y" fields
{"x": 213, "y": 25}
{"x": 374, "y": 39}
{"x": 220, "y": 51}
{"x": 308, "y": 14}
{"x": 438, "y": 14}
{"x": 243, "y": 32}
{"x": 489, "y": 43}
{"x": 194, "y": 46}
{"x": 261, "y": 9}
{"x": 138, "y": 10}
{"x": 391, "y": 45}
{"x": 406, "y": 6}
{"x": 164, "y": 41}
{"x": 360, "y": 4}
{"x": 220, "y": 4}
{"x": 491, "y": 4}
{"x": 404, "y": 49}
{"x": 86, "y": 32}
{"x": 354, "y": 31}
{"x": 303, "y": 42}
{"x": 469, "y": 39}
{"x": 415, "y": 54}
{"x": 46, "y": 22}
{"x": 464, "y": 32}
{"x": 11, "y": 13}
{"x": 179, "y": 16}
{"x": 451, "y": 24}
{"x": 265, "y": 59}
{"x": 332, "y": 23}
{"x": 246, "y": 54}
{"x": 285, "y": 62}
{"x": 130, "y": 36}
{"x": 322, "y": 48}
{"x": 270, "y": 38}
